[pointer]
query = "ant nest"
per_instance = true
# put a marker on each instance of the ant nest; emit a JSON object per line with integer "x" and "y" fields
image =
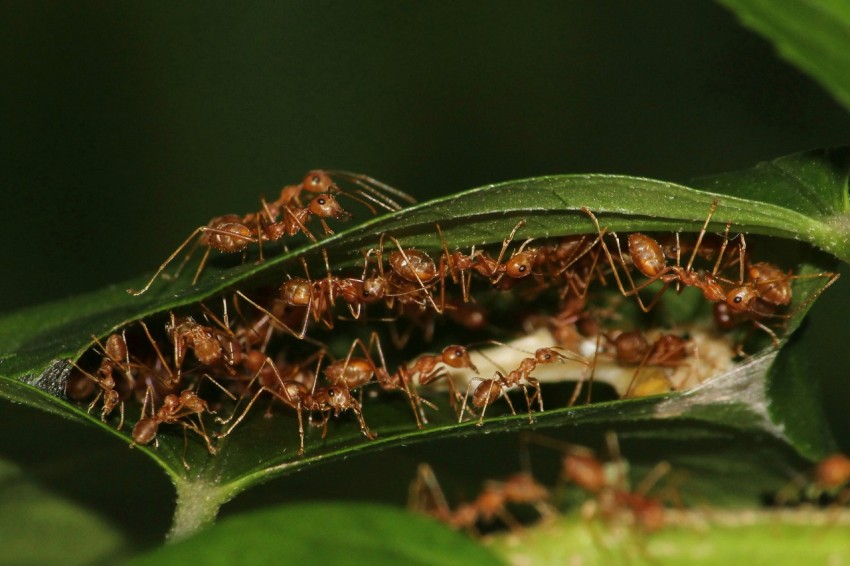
{"x": 206, "y": 375}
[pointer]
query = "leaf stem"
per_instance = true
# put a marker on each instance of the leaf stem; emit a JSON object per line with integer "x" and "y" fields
{"x": 198, "y": 502}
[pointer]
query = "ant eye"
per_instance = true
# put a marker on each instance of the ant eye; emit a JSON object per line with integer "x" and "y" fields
{"x": 321, "y": 201}
{"x": 738, "y": 299}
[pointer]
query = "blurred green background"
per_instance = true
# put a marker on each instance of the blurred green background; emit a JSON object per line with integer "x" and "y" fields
{"x": 126, "y": 125}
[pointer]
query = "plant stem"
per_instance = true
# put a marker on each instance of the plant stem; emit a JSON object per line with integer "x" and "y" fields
{"x": 198, "y": 502}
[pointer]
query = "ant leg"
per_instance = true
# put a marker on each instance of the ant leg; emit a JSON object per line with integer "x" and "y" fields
{"x": 507, "y": 241}
{"x": 168, "y": 260}
{"x": 275, "y": 320}
{"x": 159, "y": 355}
{"x": 711, "y": 211}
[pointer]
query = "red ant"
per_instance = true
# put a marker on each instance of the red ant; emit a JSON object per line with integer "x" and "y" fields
{"x": 426, "y": 496}
{"x": 321, "y": 181}
{"x": 354, "y": 373}
{"x": 518, "y": 266}
{"x": 327, "y": 401}
{"x": 489, "y": 390}
{"x": 115, "y": 356}
{"x": 767, "y": 284}
{"x": 429, "y": 370}
{"x": 829, "y": 480}
{"x": 613, "y": 499}
{"x": 174, "y": 410}
{"x": 211, "y": 346}
{"x": 231, "y": 234}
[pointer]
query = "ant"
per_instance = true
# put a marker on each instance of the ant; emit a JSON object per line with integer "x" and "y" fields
{"x": 174, "y": 410}
{"x": 231, "y": 233}
{"x": 633, "y": 348}
{"x": 431, "y": 367}
{"x": 211, "y": 346}
{"x": 321, "y": 181}
{"x": 461, "y": 266}
{"x": 426, "y": 496}
{"x": 411, "y": 273}
{"x": 354, "y": 373}
{"x": 489, "y": 390}
{"x": 115, "y": 356}
{"x": 766, "y": 283}
{"x": 331, "y": 400}
{"x": 613, "y": 499}
{"x": 829, "y": 482}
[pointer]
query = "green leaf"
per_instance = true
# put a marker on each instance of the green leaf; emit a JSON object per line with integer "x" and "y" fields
{"x": 801, "y": 197}
{"x": 812, "y": 34}
{"x": 726, "y": 537}
{"x": 71, "y": 533}
{"x": 324, "y": 534}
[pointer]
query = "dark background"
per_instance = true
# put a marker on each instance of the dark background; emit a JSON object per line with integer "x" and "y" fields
{"x": 125, "y": 126}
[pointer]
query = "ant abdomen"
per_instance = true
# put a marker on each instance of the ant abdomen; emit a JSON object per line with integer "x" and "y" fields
{"x": 227, "y": 234}
{"x": 647, "y": 255}
{"x": 145, "y": 430}
{"x": 413, "y": 266}
{"x": 771, "y": 282}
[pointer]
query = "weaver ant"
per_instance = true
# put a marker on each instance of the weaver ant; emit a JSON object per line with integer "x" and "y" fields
{"x": 489, "y": 390}
{"x": 354, "y": 372}
{"x": 607, "y": 482}
{"x": 321, "y": 181}
{"x": 765, "y": 283}
{"x": 426, "y": 496}
{"x": 116, "y": 356}
{"x": 174, "y": 410}
{"x": 232, "y": 233}
{"x": 331, "y": 400}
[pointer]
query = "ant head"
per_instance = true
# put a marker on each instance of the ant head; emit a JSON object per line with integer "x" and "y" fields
{"x": 457, "y": 357}
{"x": 326, "y": 206}
{"x": 318, "y": 181}
{"x": 374, "y": 289}
{"x": 548, "y": 356}
{"x": 521, "y": 264}
{"x": 740, "y": 299}
{"x": 337, "y": 398}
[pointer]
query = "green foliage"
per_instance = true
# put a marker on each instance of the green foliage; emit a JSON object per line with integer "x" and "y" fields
{"x": 811, "y": 34}
{"x": 741, "y": 436}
